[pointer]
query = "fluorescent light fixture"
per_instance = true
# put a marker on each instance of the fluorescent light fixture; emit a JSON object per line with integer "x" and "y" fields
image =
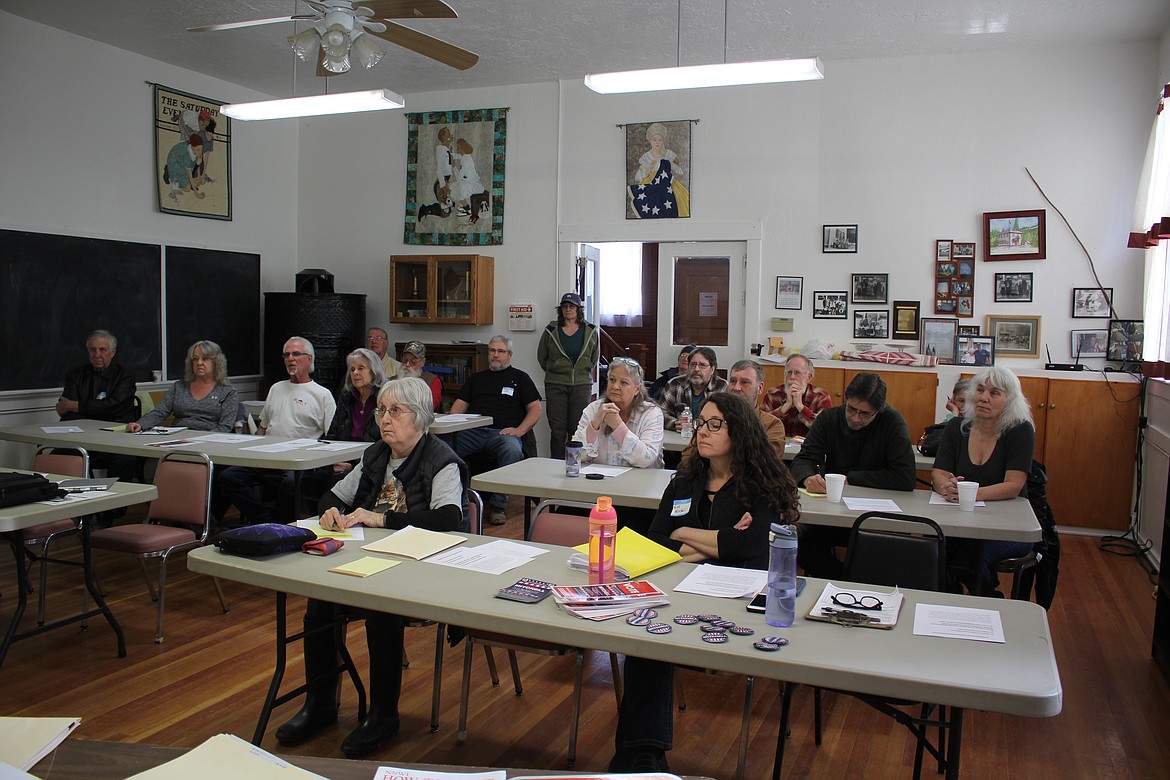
{"x": 316, "y": 105}
{"x": 695, "y": 76}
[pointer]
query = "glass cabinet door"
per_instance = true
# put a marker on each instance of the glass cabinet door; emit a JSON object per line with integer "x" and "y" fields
{"x": 453, "y": 289}
{"x": 412, "y": 284}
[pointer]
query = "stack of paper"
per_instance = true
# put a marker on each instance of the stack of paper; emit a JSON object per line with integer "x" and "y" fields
{"x": 226, "y": 755}
{"x": 601, "y": 602}
{"x": 25, "y": 741}
{"x": 634, "y": 555}
{"x": 416, "y": 543}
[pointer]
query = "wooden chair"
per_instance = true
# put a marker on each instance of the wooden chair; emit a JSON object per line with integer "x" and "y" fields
{"x": 68, "y": 462}
{"x": 912, "y": 559}
{"x": 548, "y": 527}
{"x": 178, "y": 520}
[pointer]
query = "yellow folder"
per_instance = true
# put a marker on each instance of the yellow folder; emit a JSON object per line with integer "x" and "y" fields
{"x": 636, "y": 554}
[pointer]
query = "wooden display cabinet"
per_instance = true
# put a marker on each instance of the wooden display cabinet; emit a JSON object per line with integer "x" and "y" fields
{"x": 453, "y": 364}
{"x": 442, "y": 289}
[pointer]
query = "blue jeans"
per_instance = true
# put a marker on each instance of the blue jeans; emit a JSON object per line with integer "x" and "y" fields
{"x": 646, "y": 717}
{"x": 504, "y": 450}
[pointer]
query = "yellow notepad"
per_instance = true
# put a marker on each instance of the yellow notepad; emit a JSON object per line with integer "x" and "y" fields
{"x": 364, "y": 567}
{"x": 411, "y": 542}
{"x": 637, "y": 554}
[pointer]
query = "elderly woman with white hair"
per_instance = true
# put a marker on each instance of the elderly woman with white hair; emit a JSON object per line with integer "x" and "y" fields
{"x": 409, "y": 477}
{"x": 203, "y": 400}
{"x": 990, "y": 443}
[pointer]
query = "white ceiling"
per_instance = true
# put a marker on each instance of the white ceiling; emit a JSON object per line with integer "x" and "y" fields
{"x": 524, "y": 41}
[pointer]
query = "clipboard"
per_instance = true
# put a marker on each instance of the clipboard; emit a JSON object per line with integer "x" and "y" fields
{"x": 828, "y": 610}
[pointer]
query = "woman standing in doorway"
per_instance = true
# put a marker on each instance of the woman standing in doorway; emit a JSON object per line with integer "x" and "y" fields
{"x": 568, "y": 352}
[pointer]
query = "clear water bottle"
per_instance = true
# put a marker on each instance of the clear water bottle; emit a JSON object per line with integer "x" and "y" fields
{"x": 602, "y": 537}
{"x": 573, "y": 459}
{"x": 781, "y": 605}
{"x": 686, "y": 426}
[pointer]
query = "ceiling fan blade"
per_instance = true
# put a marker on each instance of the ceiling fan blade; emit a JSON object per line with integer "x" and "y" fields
{"x": 250, "y": 23}
{"x": 440, "y": 51}
{"x": 410, "y": 9}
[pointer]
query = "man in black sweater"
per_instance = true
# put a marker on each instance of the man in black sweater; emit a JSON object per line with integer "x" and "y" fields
{"x": 101, "y": 390}
{"x": 865, "y": 440}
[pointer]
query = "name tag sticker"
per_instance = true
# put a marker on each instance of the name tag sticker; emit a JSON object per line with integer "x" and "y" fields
{"x": 101, "y": 396}
{"x": 681, "y": 507}
{"x": 507, "y": 391}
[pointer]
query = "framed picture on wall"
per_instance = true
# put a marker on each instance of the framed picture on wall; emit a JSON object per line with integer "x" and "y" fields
{"x": 963, "y": 250}
{"x": 938, "y": 338}
{"x": 871, "y": 324}
{"x": 839, "y": 238}
{"x": 831, "y": 305}
{"x": 968, "y": 330}
{"x": 1013, "y": 235}
{"x": 944, "y": 250}
{"x": 871, "y": 288}
{"x": 1013, "y": 288}
{"x": 975, "y": 350}
{"x": 1015, "y": 336}
{"x": 1125, "y": 340}
{"x": 789, "y": 292}
{"x": 906, "y": 319}
{"x": 1089, "y": 343}
{"x": 1092, "y": 302}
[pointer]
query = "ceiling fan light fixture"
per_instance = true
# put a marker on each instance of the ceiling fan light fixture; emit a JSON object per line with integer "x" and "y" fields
{"x": 367, "y": 51}
{"x": 316, "y": 105}
{"x": 304, "y": 44}
{"x": 697, "y": 76}
{"x": 335, "y": 41}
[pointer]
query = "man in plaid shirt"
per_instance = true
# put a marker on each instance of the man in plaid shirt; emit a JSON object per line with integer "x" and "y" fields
{"x": 691, "y": 388}
{"x": 797, "y": 402}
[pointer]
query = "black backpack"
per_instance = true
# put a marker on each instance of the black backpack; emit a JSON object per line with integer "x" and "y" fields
{"x": 17, "y": 489}
{"x": 931, "y": 438}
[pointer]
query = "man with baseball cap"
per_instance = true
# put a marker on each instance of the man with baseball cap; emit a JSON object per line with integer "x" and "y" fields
{"x": 414, "y": 356}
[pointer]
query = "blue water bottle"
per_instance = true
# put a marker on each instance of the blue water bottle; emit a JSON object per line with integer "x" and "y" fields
{"x": 781, "y": 604}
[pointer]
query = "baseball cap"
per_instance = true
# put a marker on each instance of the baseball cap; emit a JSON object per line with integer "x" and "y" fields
{"x": 415, "y": 348}
{"x": 573, "y": 298}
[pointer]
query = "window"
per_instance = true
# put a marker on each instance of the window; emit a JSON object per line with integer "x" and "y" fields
{"x": 620, "y": 284}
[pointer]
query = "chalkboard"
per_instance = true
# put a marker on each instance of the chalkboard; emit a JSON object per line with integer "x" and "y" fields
{"x": 213, "y": 295}
{"x": 54, "y": 290}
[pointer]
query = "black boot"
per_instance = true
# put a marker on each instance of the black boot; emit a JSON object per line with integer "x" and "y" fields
{"x": 384, "y": 634}
{"x": 320, "y": 709}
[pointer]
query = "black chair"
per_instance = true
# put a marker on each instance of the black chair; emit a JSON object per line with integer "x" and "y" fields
{"x": 912, "y": 558}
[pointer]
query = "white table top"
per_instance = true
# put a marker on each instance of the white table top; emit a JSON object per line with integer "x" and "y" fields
{"x": 120, "y": 494}
{"x": 673, "y": 441}
{"x": 221, "y": 453}
{"x": 545, "y": 478}
{"x": 1018, "y": 677}
{"x": 443, "y": 423}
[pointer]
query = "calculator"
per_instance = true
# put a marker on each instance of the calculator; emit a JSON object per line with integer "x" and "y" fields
{"x": 525, "y": 590}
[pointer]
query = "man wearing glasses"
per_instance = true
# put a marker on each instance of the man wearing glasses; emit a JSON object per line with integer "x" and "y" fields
{"x": 510, "y": 398}
{"x": 865, "y": 440}
{"x": 297, "y": 408}
{"x": 692, "y": 387}
{"x": 378, "y": 342}
{"x": 798, "y": 401}
{"x": 746, "y": 379}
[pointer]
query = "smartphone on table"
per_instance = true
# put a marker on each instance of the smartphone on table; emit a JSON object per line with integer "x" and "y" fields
{"x": 760, "y": 602}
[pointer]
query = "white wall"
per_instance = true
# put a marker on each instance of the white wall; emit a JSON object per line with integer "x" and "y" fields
{"x": 912, "y": 150}
{"x": 77, "y": 158}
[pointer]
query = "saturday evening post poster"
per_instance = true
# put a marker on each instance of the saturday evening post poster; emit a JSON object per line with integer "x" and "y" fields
{"x": 192, "y": 155}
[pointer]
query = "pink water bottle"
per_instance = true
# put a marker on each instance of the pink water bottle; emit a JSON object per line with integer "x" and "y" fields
{"x": 602, "y": 533}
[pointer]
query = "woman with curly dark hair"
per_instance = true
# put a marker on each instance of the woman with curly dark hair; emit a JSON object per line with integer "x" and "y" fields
{"x": 729, "y": 488}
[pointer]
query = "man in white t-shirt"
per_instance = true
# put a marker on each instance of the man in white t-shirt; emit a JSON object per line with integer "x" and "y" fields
{"x": 297, "y": 408}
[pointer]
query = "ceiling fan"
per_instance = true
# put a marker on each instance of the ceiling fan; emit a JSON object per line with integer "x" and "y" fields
{"x": 339, "y": 29}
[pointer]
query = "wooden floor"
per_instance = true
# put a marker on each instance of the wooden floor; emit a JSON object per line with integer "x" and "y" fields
{"x": 211, "y": 673}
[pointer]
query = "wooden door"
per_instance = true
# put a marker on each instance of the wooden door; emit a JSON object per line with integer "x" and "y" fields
{"x": 1036, "y": 391}
{"x": 1090, "y": 450}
